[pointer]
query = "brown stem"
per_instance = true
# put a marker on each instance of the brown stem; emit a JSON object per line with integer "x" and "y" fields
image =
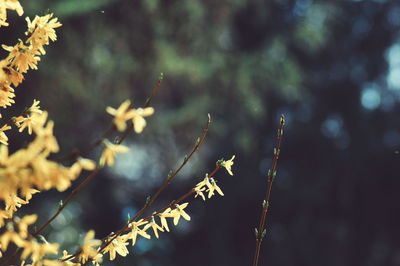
{"x": 167, "y": 181}
{"x": 172, "y": 176}
{"x": 260, "y": 232}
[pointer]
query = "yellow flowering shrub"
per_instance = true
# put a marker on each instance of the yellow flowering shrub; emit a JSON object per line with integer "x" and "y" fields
{"x": 29, "y": 170}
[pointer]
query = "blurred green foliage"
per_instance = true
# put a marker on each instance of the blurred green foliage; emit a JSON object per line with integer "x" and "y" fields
{"x": 245, "y": 63}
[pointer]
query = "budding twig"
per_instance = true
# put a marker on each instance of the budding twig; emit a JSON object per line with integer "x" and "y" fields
{"x": 167, "y": 181}
{"x": 108, "y": 240}
{"x": 260, "y": 232}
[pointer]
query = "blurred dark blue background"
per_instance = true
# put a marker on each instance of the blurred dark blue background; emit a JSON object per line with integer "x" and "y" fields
{"x": 331, "y": 67}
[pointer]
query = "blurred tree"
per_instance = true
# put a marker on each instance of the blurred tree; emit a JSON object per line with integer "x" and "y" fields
{"x": 329, "y": 66}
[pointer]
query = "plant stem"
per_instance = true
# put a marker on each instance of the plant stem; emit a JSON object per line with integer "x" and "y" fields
{"x": 167, "y": 181}
{"x": 260, "y": 232}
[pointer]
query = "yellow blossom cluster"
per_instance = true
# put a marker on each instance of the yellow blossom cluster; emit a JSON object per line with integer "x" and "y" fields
{"x": 29, "y": 170}
{"x": 109, "y": 153}
{"x": 125, "y": 113}
{"x": 27, "y": 120}
{"x": 25, "y": 54}
{"x": 117, "y": 243}
{"x": 30, "y": 248}
{"x": 121, "y": 115}
{"x": 140, "y": 228}
{"x": 89, "y": 249}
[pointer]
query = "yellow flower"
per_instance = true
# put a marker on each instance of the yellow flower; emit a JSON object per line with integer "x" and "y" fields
{"x": 8, "y": 74}
{"x": 35, "y": 108}
{"x": 199, "y": 191}
{"x": 38, "y": 250}
{"x": 12, "y": 202}
{"x": 40, "y": 30}
{"x": 46, "y": 133}
{"x": 3, "y": 154}
{"x": 27, "y": 192}
{"x": 205, "y": 182}
{"x": 109, "y": 153}
{"x": 87, "y": 164}
{"x": 24, "y": 122}
{"x": 7, "y": 237}
{"x": 24, "y": 223}
{"x": 213, "y": 188}
{"x": 154, "y": 226}
{"x": 178, "y": 212}
{"x": 6, "y": 95}
{"x": 135, "y": 230}
{"x": 3, "y": 136}
{"x": 22, "y": 57}
{"x": 138, "y": 120}
{"x": 228, "y": 164}
{"x": 12, "y": 5}
{"x": 82, "y": 163}
{"x": 165, "y": 214}
{"x": 121, "y": 115}
{"x": 118, "y": 245}
{"x": 88, "y": 249}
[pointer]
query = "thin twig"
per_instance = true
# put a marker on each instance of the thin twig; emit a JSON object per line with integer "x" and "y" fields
{"x": 107, "y": 240}
{"x": 167, "y": 181}
{"x": 261, "y": 231}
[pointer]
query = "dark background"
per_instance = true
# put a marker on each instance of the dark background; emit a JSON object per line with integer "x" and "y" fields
{"x": 331, "y": 67}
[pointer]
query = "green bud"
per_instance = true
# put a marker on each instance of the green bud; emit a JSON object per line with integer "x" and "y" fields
{"x": 220, "y": 161}
{"x": 170, "y": 174}
{"x": 198, "y": 141}
{"x": 60, "y": 203}
{"x": 256, "y": 232}
{"x": 148, "y": 199}
{"x": 264, "y": 233}
{"x": 273, "y": 175}
{"x": 41, "y": 238}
